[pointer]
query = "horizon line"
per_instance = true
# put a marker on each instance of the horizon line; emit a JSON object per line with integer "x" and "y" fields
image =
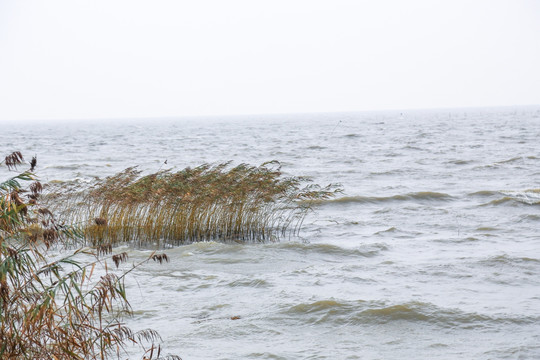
{"x": 259, "y": 115}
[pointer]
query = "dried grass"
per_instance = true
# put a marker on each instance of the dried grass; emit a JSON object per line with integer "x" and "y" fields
{"x": 218, "y": 203}
{"x": 57, "y": 309}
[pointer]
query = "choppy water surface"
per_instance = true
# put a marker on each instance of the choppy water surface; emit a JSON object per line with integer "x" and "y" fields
{"x": 432, "y": 251}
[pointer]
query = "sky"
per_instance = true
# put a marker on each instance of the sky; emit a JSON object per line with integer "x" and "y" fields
{"x": 73, "y": 59}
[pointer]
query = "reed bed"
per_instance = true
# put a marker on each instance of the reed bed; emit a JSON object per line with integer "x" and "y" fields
{"x": 56, "y": 308}
{"x": 208, "y": 203}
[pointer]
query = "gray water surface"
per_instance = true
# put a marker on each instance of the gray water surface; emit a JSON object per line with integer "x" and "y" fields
{"x": 431, "y": 252}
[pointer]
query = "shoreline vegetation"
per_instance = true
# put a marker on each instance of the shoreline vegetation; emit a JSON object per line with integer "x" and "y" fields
{"x": 207, "y": 203}
{"x": 55, "y": 307}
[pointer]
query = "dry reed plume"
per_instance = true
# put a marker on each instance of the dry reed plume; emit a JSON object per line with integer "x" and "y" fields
{"x": 57, "y": 309}
{"x": 220, "y": 203}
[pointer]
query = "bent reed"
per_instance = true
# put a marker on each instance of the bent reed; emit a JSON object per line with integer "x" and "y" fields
{"x": 51, "y": 305}
{"x": 55, "y": 308}
{"x": 207, "y": 203}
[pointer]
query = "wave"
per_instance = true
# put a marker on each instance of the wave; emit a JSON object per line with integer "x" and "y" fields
{"x": 484, "y": 193}
{"x": 230, "y": 253}
{"x": 389, "y": 230}
{"x": 486, "y": 228}
{"x": 528, "y": 217}
{"x": 460, "y": 162}
{"x": 368, "y": 250}
{"x": 518, "y": 159}
{"x": 505, "y": 259}
{"x": 519, "y": 351}
{"x": 67, "y": 167}
{"x": 528, "y": 196}
{"x": 316, "y": 306}
{"x": 410, "y": 147}
{"x": 514, "y": 159}
{"x": 500, "y": 201}
{"x": 249, "y": 283}
{"x": 414, "y": 196}
{"x": 373, "y": 312}
{"x": 213, "y": 247}
{"x": 387, "y": 173}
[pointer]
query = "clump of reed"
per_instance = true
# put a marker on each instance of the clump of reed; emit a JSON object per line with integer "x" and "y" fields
{"x": 220, "y": 203}
{"x": 56, "y": 309}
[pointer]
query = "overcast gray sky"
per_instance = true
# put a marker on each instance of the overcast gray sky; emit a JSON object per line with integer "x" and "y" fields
{"x": 69, "y": 59}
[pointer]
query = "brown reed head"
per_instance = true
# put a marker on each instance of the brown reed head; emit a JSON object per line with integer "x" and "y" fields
{"x": 13, "y": 159}
{"x": 33, "y": 163}
{"x": 57, "y": 309}
{"x": 100, "y": 221}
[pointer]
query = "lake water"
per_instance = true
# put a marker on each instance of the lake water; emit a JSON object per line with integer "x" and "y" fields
{"x": 431, "y": 252}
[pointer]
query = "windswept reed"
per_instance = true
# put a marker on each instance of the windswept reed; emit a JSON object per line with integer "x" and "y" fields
{"x": 220, "y": 203}
{"x": 55, "y": 309}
